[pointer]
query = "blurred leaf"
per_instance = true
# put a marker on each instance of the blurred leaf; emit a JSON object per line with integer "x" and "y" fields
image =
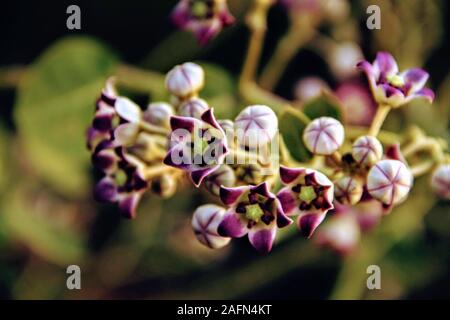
{"x": 26, "y": 222}
{"x": 54, "y": 107}
{"x": 428, "y": 117}
{"x": 325, "y": 105}
{"x": 3, "y": 159}
{"x": 291, "y": 128}
{"x": 219, "y": 89}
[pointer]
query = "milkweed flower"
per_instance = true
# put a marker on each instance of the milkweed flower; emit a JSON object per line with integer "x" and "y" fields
{"x": 390, "y": 87}
{"x": 198, "y": 147}
{"x": 204, "y": 18}
{"x": 367, "y": 150}
{"x": 252, "y": 211}
{"x": 307, "y": 193}
{"x": 185, "y": 80}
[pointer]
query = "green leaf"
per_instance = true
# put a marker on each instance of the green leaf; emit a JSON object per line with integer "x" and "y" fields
{"x": 325, "y": 105}
{"x": 55, "y": 106}
{"x": 4, "y": 170}
{"x": 292, "y": 123}
{"x": 219, "y": 90}
{"x": 26, "y": 221}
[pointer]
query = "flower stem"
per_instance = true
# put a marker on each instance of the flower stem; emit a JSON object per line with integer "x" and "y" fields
{"x": 157, "y": 171}
{"x": 422, "y": 168}
{"x": 257, "y": 23}
{"x": 377, "y": 123}
{"x": 300, "y": 32}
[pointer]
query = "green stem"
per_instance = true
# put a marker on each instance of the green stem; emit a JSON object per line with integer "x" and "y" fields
{"x": 300, "y": 32}
{"x": 380, "y": 116}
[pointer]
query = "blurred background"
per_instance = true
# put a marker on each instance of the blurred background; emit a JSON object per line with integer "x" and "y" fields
{"x": 50, "y": 78}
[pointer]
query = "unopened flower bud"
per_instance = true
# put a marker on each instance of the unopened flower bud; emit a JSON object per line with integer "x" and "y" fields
{"x": 185, "y": 80}
{"x": 324, "y": 136}
{"x": 367, "y": 151}
{"x": 159, "y": 113}
{"x": 256, "y": 126}
{"x": 193, "y": 108}
{"x": 348, "y": 190}
{"x": 164, "y": 186}
{"x": 249, "y": 173}
{"x": 224, "y": 176}
{"x": 389, "y": 181}
{"x": 343, "y": 58}
{"x": 309, "y": 88}
{"x": 440, "y": 181}
{"x": 205, "y": 221}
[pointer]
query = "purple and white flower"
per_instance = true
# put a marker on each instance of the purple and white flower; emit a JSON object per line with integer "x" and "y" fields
{"x": 348, "y": 190}
{"x": 389, "y": 87}
{"x": 307, "y": 193}
{"x": 204, "y": 18}
{"x": 205, "y": 222}
{"x": 255, "y": 211}
{"x": 324, "y": 136}
{"x": 158, "y": 114}
{"x": 198, "y": 147}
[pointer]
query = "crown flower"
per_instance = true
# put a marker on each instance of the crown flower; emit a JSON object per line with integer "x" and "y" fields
{"x": 204, "y": 18}
{"x": 308, "y": 194}
{"x": 367, "y": 150}
{"x": 389, "y": 87}
{"x": 197, "y": 146}
{"x": 255, "y": 211}
{"x": 185, "y": 80}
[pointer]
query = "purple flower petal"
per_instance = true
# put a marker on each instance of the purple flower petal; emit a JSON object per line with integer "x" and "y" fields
{"x": 208, "y": 117}
{"x": 180, "y": 15}
{"x": 425, "y": 93}
{"x": 289, "y": 175}
{"x": 262, "y": 189}
{"x": 183, "y": 123}
{"x": 230, "y": 196}
{"x": 128, "y": 205}
{"x": 262, "y": 239}
{"x": 197, "y": 176}
{"x": 415, "y": 79}
{"x": 309, "y": 222}
{"x": 287, "y": 200}
{"x": 385, "y": 64}
{"x": 232, "y": 226}
{"x": 106, "y": 190}
{"x": 393, "y": 152}
{"x": 282, "y": 219}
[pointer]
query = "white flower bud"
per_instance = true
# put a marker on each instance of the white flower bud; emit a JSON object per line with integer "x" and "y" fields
{"x": 440, "y": 181}
{"x": 185, "y": 80}
{"x": 367, "y": 150}
{"x": 324, "y": 136}
{"x": 159, "y": 113}
{"x": 343, "y": 59}
{"x": 256, "y": 126}
{"x": 205, "y": 221}
{"x": 193, "y": 108}
{"x": 389, "y": 181}
{"x": 309, "y": 88}
{"x": 348, "y": 190}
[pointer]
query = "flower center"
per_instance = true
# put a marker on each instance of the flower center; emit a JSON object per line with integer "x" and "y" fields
{"x": 396, "y": 80}
{"x": 307, "y": 194}
{"x": 201, "y": 9}
{"x": 254, "y": 212}
{"x": 120, "y": 177}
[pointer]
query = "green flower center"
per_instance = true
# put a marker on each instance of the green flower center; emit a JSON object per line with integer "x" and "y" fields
{"x": 254, "y": 212}
{"x": 307, "y": 194}
{"x": 396, "y": 80}
{"x": 120, "y": 177}
{"x": 199, "y": 9}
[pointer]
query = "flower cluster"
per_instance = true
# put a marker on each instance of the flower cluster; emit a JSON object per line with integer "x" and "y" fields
{"x": 355, "y": 180}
